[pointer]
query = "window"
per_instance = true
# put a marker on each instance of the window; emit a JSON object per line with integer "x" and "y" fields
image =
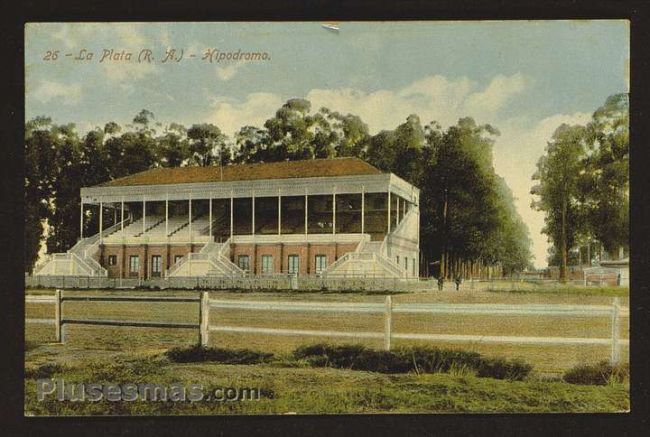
{"x": 397, "y": 259}
{"x": 177, "y": 258}
{"x": 406, "y": 264}
{"x": 155, "y": 265}
{"x": 321, "y": 263}
{"x": 293, "y": 264}
{"x": 243, "y": 261}
{"x": 134, "y": 264}
{"x": 112, "y": 260}
{"x": 267, "y": 264}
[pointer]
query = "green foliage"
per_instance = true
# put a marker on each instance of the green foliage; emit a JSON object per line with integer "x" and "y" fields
{"x": 47, "y": 370}
{"x": 195, "y": 354}
{"x": 602, "y": 373}
{"x": 467, "y": 211}
{"x": 582, "y": 183}
{"x": 500, "y": 368}
{"x": 559, "y": 174}
{"x": 207, "y": 144}
{"x": 413, "y": 359}
{"x": 330, "y": 391}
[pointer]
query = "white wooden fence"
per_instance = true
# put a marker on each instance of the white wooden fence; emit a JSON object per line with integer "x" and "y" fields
{"x": 387, "y": 308}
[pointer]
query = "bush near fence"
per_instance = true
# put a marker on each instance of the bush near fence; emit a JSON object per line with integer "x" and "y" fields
{"x": 602, "y": 373}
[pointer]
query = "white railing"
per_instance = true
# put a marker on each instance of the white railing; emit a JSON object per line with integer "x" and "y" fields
{"x": 393, "y": 268}
{"x": 213, "y": 254}
{"x": 82, "y": 243}
{"x": 409, "y": 215}
{"x": 387, "y": 308}
{"x": 339, "y": 262}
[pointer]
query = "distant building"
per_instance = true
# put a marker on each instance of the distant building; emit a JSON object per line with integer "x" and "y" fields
{"x": 315, "y": 217}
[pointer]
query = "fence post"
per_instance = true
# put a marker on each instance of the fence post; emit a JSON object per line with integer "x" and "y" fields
{"x": 204, "y": 326}
{"x": 388, "y": 322}
{"x": 615, "y": 331}
{"x": 57, "y": 316}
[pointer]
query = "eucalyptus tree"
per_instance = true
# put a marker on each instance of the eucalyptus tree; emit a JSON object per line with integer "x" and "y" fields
{"x": 558, "y": 176}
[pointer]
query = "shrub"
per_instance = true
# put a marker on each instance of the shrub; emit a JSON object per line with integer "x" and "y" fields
{"x": 602, "y": 373}
{"x": 413, "y": 359}
{"x": 500, "y": 368}
{"x": 225, "y": 356}
{"x": 43, "y": 371}
{"x": 432, "y": 360}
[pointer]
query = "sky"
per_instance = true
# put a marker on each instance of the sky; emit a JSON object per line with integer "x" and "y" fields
{"x": 524, "y": 77}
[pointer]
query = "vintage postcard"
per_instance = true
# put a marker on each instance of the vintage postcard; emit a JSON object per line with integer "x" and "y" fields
{"x": 257, "y": 218}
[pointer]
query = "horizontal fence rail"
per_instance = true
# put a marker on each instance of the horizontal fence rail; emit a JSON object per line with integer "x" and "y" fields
{"x": 387, "y": 308}
{"x": 60, "y": 322}
{"x": 129, "y": 299}
{"x": 133, "y": 323}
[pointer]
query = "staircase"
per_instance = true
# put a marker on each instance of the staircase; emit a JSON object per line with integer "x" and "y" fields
{"x": 368, "y": 260}
{"x": 79, "y": 260}
{"x": 212, "y": 261}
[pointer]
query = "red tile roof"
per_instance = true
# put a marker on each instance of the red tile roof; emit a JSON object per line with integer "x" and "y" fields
{"x": 245, "y": 172}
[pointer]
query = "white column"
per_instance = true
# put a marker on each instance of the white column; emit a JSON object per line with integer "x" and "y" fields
{"x": 144, "y": 215}
{"x": 306, "y": 206}
{"x": 397, "y": 214}
{"x": 363, "y": 209}
{"x": 389, "y": 209}
{"x": 101, "y": 220}
{"x": 167, "y": 216}
{"x": 253, "y": 213}
{"x": 122, "y": 233}
{"x": 279, "y": 211}
{"x": 334, "y": 211}
{"x": 122, "y": 215}
{"x": 81, "y": 220}
{"x": 189, "y": 213}
{"x": 231, "y": 205}
{"x": 210, "y": 228}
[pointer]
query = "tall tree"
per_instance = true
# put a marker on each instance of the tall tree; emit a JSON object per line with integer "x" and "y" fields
{"x": 558, "y": 177}
{"x": 39, "y": 152}
{"x": 207, "y": 145}
{"x": 606, "y": 183}
{"x": 172, "y": 147}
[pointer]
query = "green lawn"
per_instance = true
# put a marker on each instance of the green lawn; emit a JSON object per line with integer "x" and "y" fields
{"x": 120, "y": 354}
{"x": 322, "y": 391}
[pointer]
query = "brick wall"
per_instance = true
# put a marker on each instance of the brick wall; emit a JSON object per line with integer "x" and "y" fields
{"x": 122, "y": 254}
{"x": 280, "y": 253}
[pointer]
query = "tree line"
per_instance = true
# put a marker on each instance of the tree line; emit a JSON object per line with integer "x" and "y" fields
{"x": 582, "y": 186}
{"x": 468, "y": 218}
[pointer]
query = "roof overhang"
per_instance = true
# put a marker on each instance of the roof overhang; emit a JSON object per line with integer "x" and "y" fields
{"x": 376, "y": 183}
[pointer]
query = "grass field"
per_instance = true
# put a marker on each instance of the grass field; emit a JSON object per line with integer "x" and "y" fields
{"x": 117, "y": 351}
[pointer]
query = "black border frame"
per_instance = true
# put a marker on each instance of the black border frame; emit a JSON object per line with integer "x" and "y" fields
{"x": 11, "y": 230}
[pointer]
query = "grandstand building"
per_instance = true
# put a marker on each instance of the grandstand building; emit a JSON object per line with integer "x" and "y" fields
{"x": 315, "y": 217}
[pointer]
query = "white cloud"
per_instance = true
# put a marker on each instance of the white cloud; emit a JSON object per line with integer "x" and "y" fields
{"x": 230, "y": 115}
{"x": 497, "y": 94}
{"x": 118, "y": 71}
{"x": 432, "y": 98}
{"x": 129, "y": 35}
{"x": 48, "y": 90}
{"x": 74, "y": 35}
{"x": 228, "y": 72}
